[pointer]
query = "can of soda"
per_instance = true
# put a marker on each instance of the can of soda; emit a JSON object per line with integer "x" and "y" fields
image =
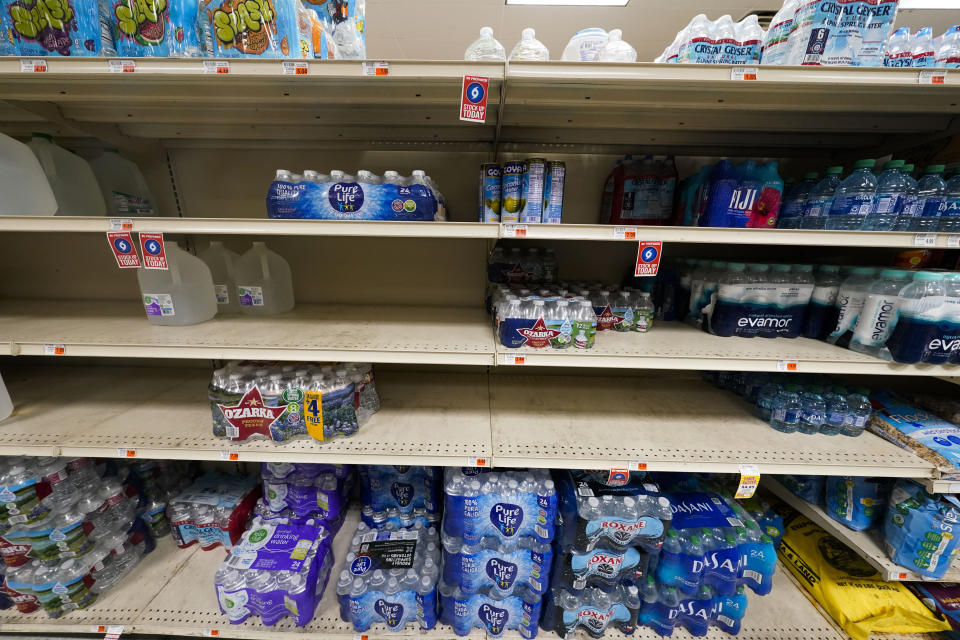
{"x": 531, "y": 200}
{"x": 553, "y": 192}
{"x": 511, "y": 191}
{"x": 489, "y": 192}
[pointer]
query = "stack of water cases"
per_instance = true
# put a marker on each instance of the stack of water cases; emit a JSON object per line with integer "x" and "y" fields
{"x": 497, "y": 531}
{"x": 282, "y": 402}
{"x": 70, "y": 529}
{"x": 712, "y": 550}
{"x": 213, "y": 511}
{"x": 610, "y": 532}
{"x": 392, "y": 569}
{"x": 638, "y": 193}
{"x": 528, "y": 191}
{"x": 282, "y": 562}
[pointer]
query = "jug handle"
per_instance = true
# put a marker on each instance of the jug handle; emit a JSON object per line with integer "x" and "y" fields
{"x": 265, "y": 266}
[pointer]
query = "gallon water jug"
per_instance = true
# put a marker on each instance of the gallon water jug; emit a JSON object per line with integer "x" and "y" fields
{"x": 123, "y": 186}
{"x": 264, "y": 282}
{"x": 71, "y": 178}
{"x": 26, "y": 191}
{"x": 6, "y": 405}
{"x": 222, "y": 263}
{"x": 182, "y": 294}
{"x": 585, "y": 45}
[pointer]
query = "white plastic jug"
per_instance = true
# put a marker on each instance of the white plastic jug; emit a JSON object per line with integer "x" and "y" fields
{"x": 25, "y": 189}
{"x": 585, "y": 45}
{"x": 264, "y": 282}
{"x": 71, "y": 179}
{"x": 123, "y": 186}
{"x": 6, "y": 404}
{"x": 221, "y": 262}
{"x": 182, "y": 294}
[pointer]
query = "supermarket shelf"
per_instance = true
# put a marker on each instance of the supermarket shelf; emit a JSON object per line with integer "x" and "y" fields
{"x": 674, "y": 345}
{"x": 171, "y": 594}
{"x": 667, "y": 423}
{"x": 941, "y": 485}
{"x": 395, "y": 334}
{"x": 868, "y": 544}
{"x": 716, "y": 235}
{"x": 254, "y": 226}
{"x": 164, "y": 413}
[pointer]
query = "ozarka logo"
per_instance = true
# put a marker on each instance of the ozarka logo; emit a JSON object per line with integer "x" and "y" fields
{"x": 346, "y": 197}
{"x": 538, "y": 335}
{"x": 391, "y": 612}
{"x": 402, "y": 493}
{"x": 494, "y": 618}
{"x": 250, "y": 416}
{"x": 507, "y": 518}
{"x": 503, "y": 573}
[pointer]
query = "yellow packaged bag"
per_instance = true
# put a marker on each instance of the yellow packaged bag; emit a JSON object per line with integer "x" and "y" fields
{"x": 848, "y": 588}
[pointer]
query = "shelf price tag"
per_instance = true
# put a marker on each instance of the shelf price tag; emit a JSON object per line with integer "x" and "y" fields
{"x": 54, "y": 350}
{"x": 636, "y": 465}
{"x": 124, "y": 250}
{"x": 932, "y": 76}
{"x": 625, "y": 233}
{"x": 479, "y": 462}
{"x": 925, "y": 240}
{"x": 123, "y": 452}
{"x": 953, "y": 242}
{"x": 230, "y": 456}
{"x": 295, "y": 68}
{"x": 473, "y": 99}
{"x": 218, "y": 67}
{"x": 154, "y": 255}
{"x": 376, "y": 68}
{"x": 121, "y": 66}
{"x": 513, "y": 231}
{"x": 743, "y": 73}
{"x": 648, "y": 258}
{"x": 121, "y": 224}
{"x": 212, "y": 633}
{"x": 38, "y": 65}
{"x": 111, "y": 630}
{"x": 787, "y": 365}
{"x": 749, "y": 479}
{"x": 514, "y": 358}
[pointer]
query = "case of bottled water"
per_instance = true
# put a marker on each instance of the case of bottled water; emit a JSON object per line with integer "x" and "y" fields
{"x": 213, "y": 511}
{"x": 406, "y": 489}
{"x": 394, "y": 517}
{"x": 856, "y": 502}
{"x": 491, "y": 612}
{"x": 283, "y": 402}
{"x": 665, "y": 608}
{"x": 810, "y": 488}
{"x": 592, "y": 609}
{"x": 506, "y": 505}
{"x": 366, "y": 196}
{"x": 306, "y": 490}
{"x": 639, "y": 193}
{"x": 495, "y": 567}
{"x": 278, "y": 568}
{"x": 919, "y": 529}
{"x": 390, "y": 576}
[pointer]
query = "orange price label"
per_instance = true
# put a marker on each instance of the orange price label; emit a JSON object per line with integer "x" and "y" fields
{"x": 126, "y": 453}
{"x": 636, "y": 465}
{"x": 510, "y": 358}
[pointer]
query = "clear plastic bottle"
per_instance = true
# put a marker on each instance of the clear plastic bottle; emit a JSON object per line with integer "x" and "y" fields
{"x": 776, "y": 37}
{"x": 792, "y": 211}
{"x": 859, "y": 411}
{"x": 221, "y": 262}
{"x": 881, "y": 309}
{"x": 820, "y": 201}
{"x": 921, "y": 307}
{"x": 616, "y": 50}
{"x": 765, "y": 398}
{"x": 71, "y": 178}
{"x": 180, "y": 295}
{"x": 749, "y": 36}
{"x": 923, "y": 51}
{"x": 837, "y": 414}
{"x": 368, "y": 177}
{"x": 26, "y": 190}
{"x": 948, "y": 53}
{"x": 931, "y": 200}
{"x": 585, "y": 45}
{"x": 850, "y": 300}
{"x": 264, "y": 282}
{"x": 892, "y": 187}
{"x": 813, "y": 411}
{"x": 899, "y": 52}
{"x": 485, "y": 47}
{"x": 123, "y": 186}
{"x": 787, "y": 409}
{"x": 950, "y": 218}
{"x": 853, "y": 199}
{"x": 529, "y": 48}
{"x": 910, "y": 200}
{"x": 722, "y": 30}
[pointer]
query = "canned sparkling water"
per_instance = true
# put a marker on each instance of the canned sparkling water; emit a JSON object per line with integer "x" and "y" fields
{"x": 531, "y": 199}
{"x": 511, "y": 191}
{"x": 553, "y": 192}
{"x": 489, "y": 192}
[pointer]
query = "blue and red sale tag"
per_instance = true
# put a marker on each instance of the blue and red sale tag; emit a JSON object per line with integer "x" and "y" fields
{"x": 648, "y": 258}
{"x": 154, "y": 254}
{"x": 473, "y": 99}
{"x": 124, "y": 250}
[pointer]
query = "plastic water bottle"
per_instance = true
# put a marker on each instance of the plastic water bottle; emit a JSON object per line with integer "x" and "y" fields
{"x": 850, "y": 300}
{"x": 923, "y": 52}
{"x": 792, "y": 211}
{"x": 950, "y": 217}
{"x": 585, "y": 45}
{"x": 123, "y": 186}
{"x": 892, "y": 186}
{"x": 813, "y": 411}
{"x": 697, "y": 28}
{"x": 775, "y": 41}
{"x": 182, "y": 294}
{"x": 910, "y": 200}
{"x": 921, "y": 305}
{"x": 221, "y": 262}
{"x": 931, "y": 200}
{"x": 26, "y": 191}
{"x": 837, "y": 414}
{"x": 820, "y": 200}
{"x": 749, "y": 36}
{"x": 724, "y": 31}
{"x": 859, "y": 411}
{"x": 6, "y": 404}
{"x": 529, "y": 48}
{"x": 485, "y": 47}
{"x": 820, "y": 318}
{"x": 616, "y": 50}
{"x": 948, "y": 53}
{"x": 853, "y": 200}
{"x": 881, "y": 310}
{"x": 264, "y": 282}
{"x": 72, "y": 180}
{"x": 786, "y": 410}
{"x": 899, "y": 52}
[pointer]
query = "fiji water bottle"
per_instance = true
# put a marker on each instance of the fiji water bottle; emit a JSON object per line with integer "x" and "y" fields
{"x": 909, "y": 200}
{"x": 820, "y": 200}
{"x": 813, "y": 411}
{"x": 792, "y": 212}
{"x": 892, "y": 187}
{"x": 950, "y": 218}
{"x": 931, "y": 200}
{"x": 853, "y": 200}
{"x": 786, "y": 410}
{"x": 860, "y": 411}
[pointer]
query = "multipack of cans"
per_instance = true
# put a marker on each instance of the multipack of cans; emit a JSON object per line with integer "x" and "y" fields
{"x": 527, "y": 191}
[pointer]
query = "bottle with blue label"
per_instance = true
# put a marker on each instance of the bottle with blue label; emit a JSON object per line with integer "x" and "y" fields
{"x": 594, "y": 610}
{"x": 950, "y": 218}
{"x": 892, "y": 187}
{"x": 931, "y": 200}
{"x": 792, "y": 212}
{"x": 917, "y": 337}
{"x": 820, "y": 200}
{"x": 858, "y": 503}
{"x": 492, "y": 613}
{"x": 919, "y": 529}
{"x": 390, "y": 576}
{"x": 401, "y": 487}
{"x": 854, "y": 197}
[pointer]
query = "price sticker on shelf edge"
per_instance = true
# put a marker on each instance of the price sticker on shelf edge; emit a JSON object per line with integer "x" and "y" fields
{"x": 953, "y": 242}
{"x": 749, "y": 479}
{"x": 513, "y": 231}
{"x": 478, "y": 462}
{"x": 925, "y": 240}
{"x": 636, "y": 465}
{"x": 376, "y": 68}
{"x": 625, "y": 233}
{"x": 110, "y": 629}
{"x": 787, "y": 365}
{"x": 154, "y": 254}
{"x": 54, "y": 350}
{"x": 230, "y": 456}
{"x": 123, "y": 452}
{"x": 124, "y": 249}
{"x": 121, "y": 66}
{"x": 212, "y": 633}
{"x": 295, "y": 68}
{"x": 932, "y": 76}
{"x": 743, "y": 73}
{"x": 219, "y": 67}
{"x": 313, "y": 413}
{"x": 514, "y": 358}
{"x": 38, "y": 65}
{"x": 473, "y": 99}
{"x": 648, "y": 258}
{"x": 121, "y": 224}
